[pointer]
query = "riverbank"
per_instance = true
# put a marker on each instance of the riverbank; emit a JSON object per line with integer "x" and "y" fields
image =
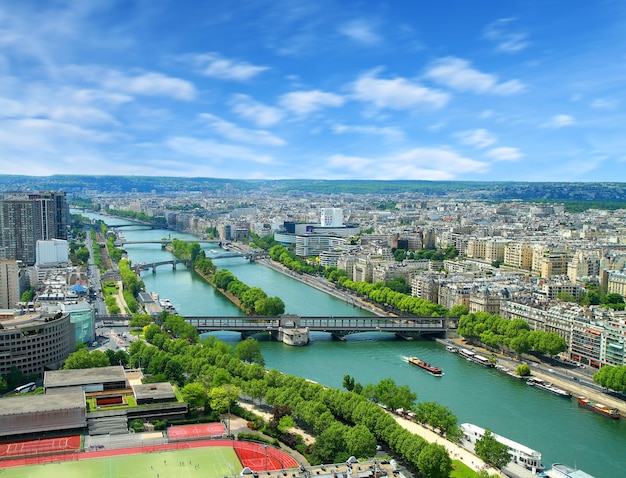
{"x": 572, "y": 384}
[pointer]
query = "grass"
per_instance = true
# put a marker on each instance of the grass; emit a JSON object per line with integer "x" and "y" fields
{"x": 461, "y": 470}
{"x": 209, "y": 462}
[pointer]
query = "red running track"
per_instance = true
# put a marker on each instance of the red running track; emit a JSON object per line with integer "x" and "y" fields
{"x": 202, "y": 430}
{"x": 276, "y": 459}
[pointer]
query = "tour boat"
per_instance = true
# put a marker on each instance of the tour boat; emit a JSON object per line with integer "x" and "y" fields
{"x": 548, "y": 387}
{"x": 598, "y": 408}
{"x": 436, "y": 371}
{"x": 472, "y": 356}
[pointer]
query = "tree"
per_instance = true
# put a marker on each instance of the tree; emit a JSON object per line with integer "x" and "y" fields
{"x": 221, "y": 398}
{"x": 491, "y": 451}
{"x": 249, "y": 351}
{"x": 434, "y": 461}
{"x": 83, "y": 359}
{"x": 523, "y": 370}
{"x": 348, "y": 383}
{"x": 360, "y": 441}
{"x": 195, "y": 394}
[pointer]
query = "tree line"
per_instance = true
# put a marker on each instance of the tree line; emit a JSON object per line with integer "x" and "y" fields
{"x": 496, "y": 332}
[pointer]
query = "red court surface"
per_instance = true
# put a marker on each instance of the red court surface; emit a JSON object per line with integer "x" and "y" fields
{"x": 190, "y": 432}
{"x": 257, "y": 457}
{"x": 40, "y": 445}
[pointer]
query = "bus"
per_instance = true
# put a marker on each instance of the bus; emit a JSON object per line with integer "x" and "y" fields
{"x": 26, "y": 388}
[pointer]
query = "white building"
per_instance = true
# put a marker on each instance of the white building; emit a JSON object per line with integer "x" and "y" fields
{"x": 331, "y": 217}
{"x": 53, "y": 251}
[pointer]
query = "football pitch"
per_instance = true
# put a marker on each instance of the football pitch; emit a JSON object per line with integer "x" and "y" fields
{"x": 208, "y": 462}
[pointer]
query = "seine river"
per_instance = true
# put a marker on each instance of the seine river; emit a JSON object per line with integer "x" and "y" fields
{"x": 557, "y": 427}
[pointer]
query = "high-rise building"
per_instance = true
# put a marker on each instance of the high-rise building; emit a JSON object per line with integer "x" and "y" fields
{"x": 26, "y": 218}
{"x": 9, "y": 284}
{"x": 331, "y": 217}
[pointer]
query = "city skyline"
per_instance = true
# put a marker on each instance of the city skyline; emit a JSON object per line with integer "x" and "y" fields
{"x": 522, "y": 91}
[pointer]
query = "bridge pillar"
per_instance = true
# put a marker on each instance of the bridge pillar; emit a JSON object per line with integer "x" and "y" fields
{"x": 153, "y": 268}
{"x": 173, "y": 265}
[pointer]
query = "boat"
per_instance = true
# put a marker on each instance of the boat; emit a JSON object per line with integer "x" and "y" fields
{"x": 598, "y": 408}
{"x": 509, "y": 372}
{"x": 548, "y": 387}
{"x": 472, "y": 356}
{"x": 520, "y": 454}
{"x": 559, "y": 470}
{"x": 451, "y": 348}
{"x": 433, "y": 370}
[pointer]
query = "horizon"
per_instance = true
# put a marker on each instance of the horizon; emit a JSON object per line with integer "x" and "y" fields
{"x": 335, "y": 90}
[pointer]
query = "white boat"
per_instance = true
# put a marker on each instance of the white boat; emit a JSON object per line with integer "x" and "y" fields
{"x": 547, "y": 386}
{"x": 559, "y": 470}
{"x": 472, "y": 356}
{"x": 520, "y": 454}
{"x": 452, "y": 348}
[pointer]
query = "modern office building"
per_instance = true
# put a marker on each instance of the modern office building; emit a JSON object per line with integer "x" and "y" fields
{"x": 9, "y": 284}
{"x": 34, "y": 342}
{"x": 26, "y": 218}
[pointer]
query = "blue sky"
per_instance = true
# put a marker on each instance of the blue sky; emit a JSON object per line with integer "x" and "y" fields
{"x": 522, "y": 90}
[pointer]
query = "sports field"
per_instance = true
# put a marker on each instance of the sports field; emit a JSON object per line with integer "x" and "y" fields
{"x": 207, "y": 462}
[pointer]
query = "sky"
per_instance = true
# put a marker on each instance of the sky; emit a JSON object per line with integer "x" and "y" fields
{"x": 487, "y": 90}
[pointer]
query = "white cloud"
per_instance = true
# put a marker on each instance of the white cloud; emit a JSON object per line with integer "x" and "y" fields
{"x": 504, "y": 154}
{"x": 360, "y": 31}
{"x": 558, "y": 121}
{"x": 305, "y": 102}
{"x": 507, "y": 41}
{"x": 235, "y": 133}
{"x": 213, "y": 151}
{"x": 397, "y": 94}
{"x": 149, "y": 84}
{"x": 260, "y": 114}
{"x": 214, "y": 66}
{"x": 605, "y": 104}
{"x": 458, "y": 74}
{"x": 479, "y": 138}
{"x": 418, "y": 163}
{"x": 388, "y": 132}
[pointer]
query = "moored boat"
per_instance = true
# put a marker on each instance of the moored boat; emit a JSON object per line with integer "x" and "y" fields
{"x": 548, "y": 387}
{"x": 452, "y": 348}
{"x": 432, "y": 369}
{"x": 598, "y": 408}
{"x": 472, "y": 356}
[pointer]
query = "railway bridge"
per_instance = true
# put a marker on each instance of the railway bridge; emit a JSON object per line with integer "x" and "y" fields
{"x": 339, "y": 327}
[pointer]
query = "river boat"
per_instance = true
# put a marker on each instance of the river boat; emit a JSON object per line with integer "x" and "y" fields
{"x": 472, "y": 356}
{"x": 548, "y": 387}
{"x": 452, "y": 348}
{"x": 433, "y": 370}
{"x": 559, "y": 470}
{"x": 520, "y": 454}
{"x": 510, "y": 373}
{"x": 598, "y": 408}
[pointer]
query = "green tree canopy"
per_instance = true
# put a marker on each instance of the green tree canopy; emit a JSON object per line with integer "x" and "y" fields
{"x": 249, "y": 351}
{"x": 491, "y": 451}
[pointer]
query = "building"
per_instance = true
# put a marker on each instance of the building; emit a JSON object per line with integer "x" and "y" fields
{"x": 10, "y": 291}
{"x": 34, "y": 342}
{"x": 26, "y": 218}
{"x": 331, "y": 217}
{"x": 53, "y": 251}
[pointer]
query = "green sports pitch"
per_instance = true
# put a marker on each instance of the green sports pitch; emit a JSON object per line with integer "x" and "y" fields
{"x": 208, "y": 462}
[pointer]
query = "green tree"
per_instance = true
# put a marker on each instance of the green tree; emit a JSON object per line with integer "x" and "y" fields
{"x": 223, "y": 398}
{"x": 434, "y": 461}
{"x": 360, "y": 441}
{"x": 491, "y": 451}
{"x": 249, "y": 351}
{"x": 523, "y": 370}
{"x": 348, "y": 383}
{"x": 195, "y": 394}
{"x": 84, "y": 359}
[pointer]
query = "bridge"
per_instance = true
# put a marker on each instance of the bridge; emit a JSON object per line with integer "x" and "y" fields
{"x": 144, "y": 266}
{"x": 339, "y": 327}
{"x": 164, "y": 242}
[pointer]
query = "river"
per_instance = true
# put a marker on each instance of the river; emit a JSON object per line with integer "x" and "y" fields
{"x": 557, "y": 427}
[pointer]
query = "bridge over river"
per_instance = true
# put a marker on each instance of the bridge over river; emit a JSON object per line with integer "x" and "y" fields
{"x": 339, "y": 327}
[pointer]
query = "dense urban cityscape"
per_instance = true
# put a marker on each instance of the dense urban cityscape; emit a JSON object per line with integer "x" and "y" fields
{"x": 556, "y": 265}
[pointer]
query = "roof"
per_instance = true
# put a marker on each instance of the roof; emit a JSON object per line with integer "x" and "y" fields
{"x": 155, "y": 391}
{"x": 24, "y": 404}
{"x": 86, "y": 376}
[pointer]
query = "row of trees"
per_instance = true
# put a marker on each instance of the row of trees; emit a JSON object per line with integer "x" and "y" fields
{"x": 254, "y": 300}
{"x": 611, "y": 377}
{"x": 496, "y": 332}
{"x": 139, "y": 216}
{"x": 381, "y": 294}
{"x": 293, "y": 262}
{"x": 132, "y": 285}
